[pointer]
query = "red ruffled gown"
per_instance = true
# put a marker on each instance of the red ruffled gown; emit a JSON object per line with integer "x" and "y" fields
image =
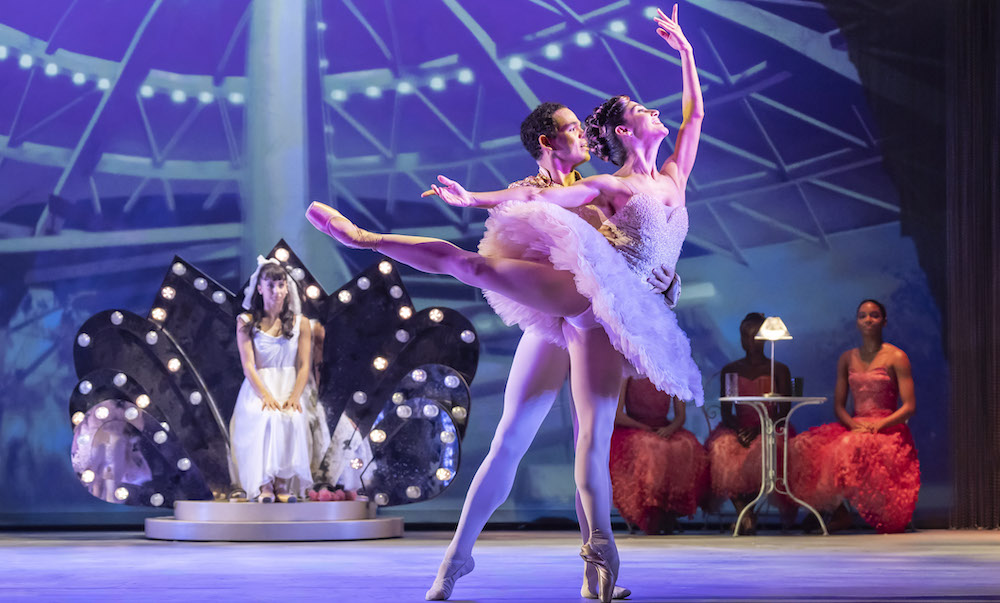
{"x": 878, "y": 473}
{"x": 651, "y": 472}
{"x": 735, "y": 469}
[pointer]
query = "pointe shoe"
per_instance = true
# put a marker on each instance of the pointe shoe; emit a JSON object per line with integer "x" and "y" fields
{"x": 443, "y": 585}
{"x": 599, "y": 552}
{"x": 620, "y": 592}
{"x": 333, "y": 223}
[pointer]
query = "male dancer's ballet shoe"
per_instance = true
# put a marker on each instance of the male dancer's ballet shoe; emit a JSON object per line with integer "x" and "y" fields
{"x": 331, "y": 222}
{"x": 599, "y": 552}
{"x": 443, "y": 585}
{"x": 266, "y": 497}
{"x": 620, "y": 592}
{"x": 287, "y": 497}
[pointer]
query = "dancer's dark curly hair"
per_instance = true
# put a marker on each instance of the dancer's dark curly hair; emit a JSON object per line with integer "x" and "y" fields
{"x": 538, "y": 123}
{"x": 600, "y": 130}
{"x": 270, "y": 272}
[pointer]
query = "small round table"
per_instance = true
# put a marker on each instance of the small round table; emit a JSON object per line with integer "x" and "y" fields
{"x": 770, "y": 481}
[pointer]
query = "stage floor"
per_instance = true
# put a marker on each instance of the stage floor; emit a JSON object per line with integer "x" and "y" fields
{"x": 935, "y": 565}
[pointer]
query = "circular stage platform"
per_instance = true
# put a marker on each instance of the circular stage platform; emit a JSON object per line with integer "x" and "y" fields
{"x": 255, "y": 522}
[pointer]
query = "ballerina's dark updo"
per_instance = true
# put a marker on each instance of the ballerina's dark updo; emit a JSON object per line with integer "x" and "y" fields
{"x": 600, "y": 130}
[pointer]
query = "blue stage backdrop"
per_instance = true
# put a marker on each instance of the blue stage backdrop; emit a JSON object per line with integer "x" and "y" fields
{"x": 134, "y": 130}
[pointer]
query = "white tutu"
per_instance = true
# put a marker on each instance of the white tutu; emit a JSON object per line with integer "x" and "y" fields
{"x": 638, "y": 321}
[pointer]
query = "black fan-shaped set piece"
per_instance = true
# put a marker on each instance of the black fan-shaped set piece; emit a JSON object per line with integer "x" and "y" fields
{"x": 152, "y": 408}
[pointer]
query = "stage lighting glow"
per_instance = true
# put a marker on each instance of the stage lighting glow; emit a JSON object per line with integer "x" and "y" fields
{"x": 459, "y": 413}
{"x": 83, "y": 340}
{"x": 413, "y": 492}
{"x": 131, "y": 413}
{"x": 430, "y": 410}
{"x": 195, "y": 398}
{"x": 419, "y": 375}
{"x": 160, "y": 437}
{"x": 158, "y": 314}
{"x": 338, "y": 94}
{"x": 142, "y": 401}
{"x": 156, "y": 499}
{"x": 87, "y": 476}
{"x": 443, "y": 474}
{"x": 373, "y": 92}
{"x": 103, "y": 83}
{"x": 377, "y": 436}
{"x": 26, "y": 61}
{"x": 121, "y": 493}
{"x": 205, "y": 97}
{"x": 3, "y": 52}
{"x": 168, "y": 293}
{"x": 359, "y": 397}
{"x": 120, "y": 379}
{"x": 51, "y": 69}
{"x": 436, "y": 315}
{"x": 357, "y": 463}
{"x": 152, "y": 338}
{"x": 85, "y": 387}
{"x": 179, "y": 268}
{"x": 617, "y": 26}
{"x": 552, "y": 51}
{"x": 178, "y": 96}
{"x": 395, "y": 292}
{"x": 437, "y": 83}
{"x": 146, "y": 91}
{"x": 583, "y": 39}
{"x": 465, "y": 75}
{"x": 380, "y": 363}
{"x": 404, "y": 87}
{"x": 312, "y": 292}
{"x": 320, "y": 25}
{"x": 164, "y": 425}
{"x": 323, "y": 64}
{"x": 451, "y": 381}
{"x": 218, "y": 297}
{"x": 447, "y": 437}
{"x": 402, "y": 336}
{"x": 102, "y": 412}
{"x": 184, "y": 464}
{"x": 344, "y": 296}
{"x": 403, "y": 411}
{"x": 649, "y": 12}
{"x": 281, "y": 254}
{"x": 200, "y": 284}
{"x": 385, "y": 267}
{"x": 468, "y": 336}
{"x": 236, "y": 98}
{"x": 364, "y": 283}
{"x": 173, "y": 365}
{"x": 398, "y": 398}
{"x": 77, "y": 418}
{"x": 117, "y": 318}
{"x": 515, "y": 63}
{"x": 381, "y": 499}
{"x": 298, "y": 274}
{"x": 405, "y": 312}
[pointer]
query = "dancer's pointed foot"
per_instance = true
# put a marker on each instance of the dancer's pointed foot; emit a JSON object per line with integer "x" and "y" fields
{"x": 449, "y": 572}
{"x": 601, "y": 554}
{"x": 331, "y": 222}
{"x": 620, "y": 592}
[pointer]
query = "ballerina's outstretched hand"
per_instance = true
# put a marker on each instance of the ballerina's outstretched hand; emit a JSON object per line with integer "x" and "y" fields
{"x": 451, "y": 193}
{"x": 331, "y": 222}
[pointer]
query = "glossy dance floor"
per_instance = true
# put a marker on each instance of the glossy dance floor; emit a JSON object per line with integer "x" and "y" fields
{"x": 936, "y": 565}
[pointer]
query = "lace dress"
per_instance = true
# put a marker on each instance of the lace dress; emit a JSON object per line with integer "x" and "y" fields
{"x": 644, "y": 234}
{"x": 649, "y": 471}
{"x": 878, "y": 473}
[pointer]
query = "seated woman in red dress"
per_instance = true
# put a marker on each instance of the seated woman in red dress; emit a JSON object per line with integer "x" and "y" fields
{"x": 734, "y": 445}
{"x": 659, "y": 470}
{"x": 868, "y": 458}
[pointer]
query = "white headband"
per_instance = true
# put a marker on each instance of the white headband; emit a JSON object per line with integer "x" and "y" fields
{"x": 294, "y": 303}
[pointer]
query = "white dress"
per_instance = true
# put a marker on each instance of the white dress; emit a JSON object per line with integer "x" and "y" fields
{"x": 643, "y": 235}
{"x": 269, "y": 444}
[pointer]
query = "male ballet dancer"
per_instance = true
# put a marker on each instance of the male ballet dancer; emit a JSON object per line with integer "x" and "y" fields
{"x": 553, "y": 136}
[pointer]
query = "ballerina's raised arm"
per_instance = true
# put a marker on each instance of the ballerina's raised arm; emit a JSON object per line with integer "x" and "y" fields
{"x": 679, "y": 165}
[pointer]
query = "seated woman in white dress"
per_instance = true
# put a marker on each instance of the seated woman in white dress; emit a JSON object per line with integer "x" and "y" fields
{"x": 269, "y": 431}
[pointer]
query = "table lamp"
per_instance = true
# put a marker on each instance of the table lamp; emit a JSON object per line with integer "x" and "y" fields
{"x": 772, "y": 330}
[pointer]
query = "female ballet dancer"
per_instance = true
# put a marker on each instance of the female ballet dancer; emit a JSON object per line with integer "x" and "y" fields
{"x": 572, "y": 272}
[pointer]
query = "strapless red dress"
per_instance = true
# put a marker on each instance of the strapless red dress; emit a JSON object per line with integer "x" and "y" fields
{"x": 651, "y": 472}
{"x": 878, "y": 473}
{"x": 735, "y": 469}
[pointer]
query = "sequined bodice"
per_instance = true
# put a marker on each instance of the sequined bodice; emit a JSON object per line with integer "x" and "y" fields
{"x": 273, "y": 351}
{"x": 647, "y": 233}
{"x": 874, "y": 391}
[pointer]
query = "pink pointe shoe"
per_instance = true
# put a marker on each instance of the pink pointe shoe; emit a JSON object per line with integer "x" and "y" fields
{"x": 332, "y": 223}
{"x": 600, "y": 553}
{"x": 443, "y": 585}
